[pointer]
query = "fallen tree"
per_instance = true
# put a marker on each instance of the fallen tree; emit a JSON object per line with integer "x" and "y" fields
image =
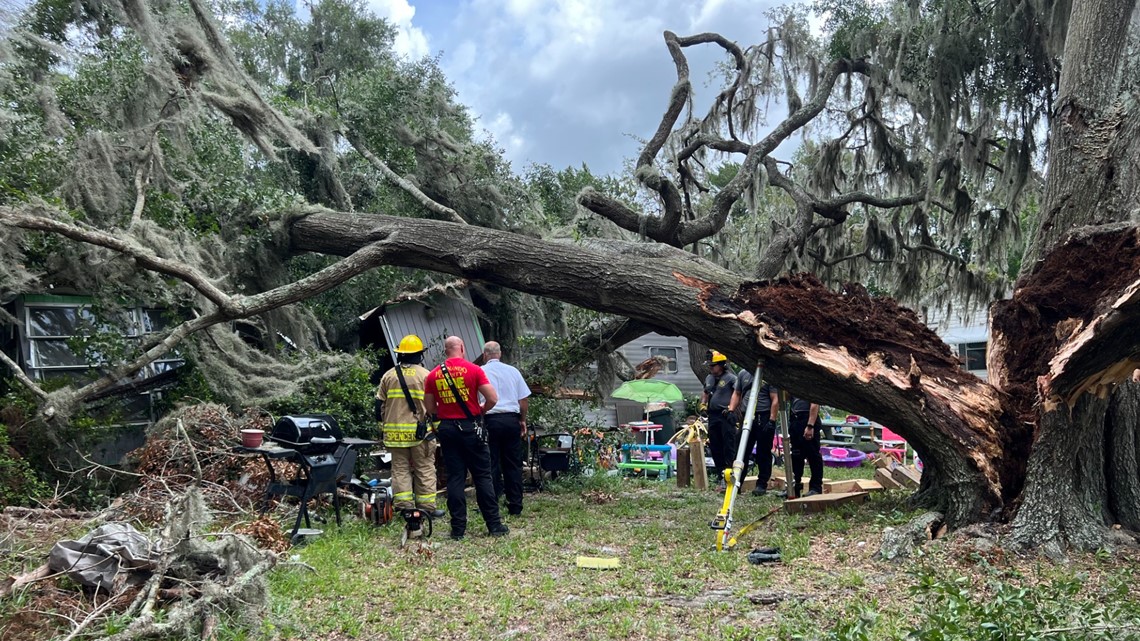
{"x": 1027, "y": 445}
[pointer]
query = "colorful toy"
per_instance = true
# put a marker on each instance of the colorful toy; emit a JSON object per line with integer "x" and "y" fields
{"x": 640, "y": 459}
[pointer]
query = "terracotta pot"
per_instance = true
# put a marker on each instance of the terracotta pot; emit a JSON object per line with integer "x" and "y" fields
{"x": 252, "y": 438}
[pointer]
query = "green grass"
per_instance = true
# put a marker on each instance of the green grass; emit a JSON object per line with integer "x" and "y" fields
{"x": 671, "y": 585}
{"x": 355, "y": 582}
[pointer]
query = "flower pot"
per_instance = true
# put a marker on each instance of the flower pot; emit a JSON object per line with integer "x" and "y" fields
{"x": 252, "y": 438}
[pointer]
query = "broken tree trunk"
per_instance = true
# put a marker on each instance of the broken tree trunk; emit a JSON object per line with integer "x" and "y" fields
{"x": 1069, "y": 333}
{"x": 848, "y": 349}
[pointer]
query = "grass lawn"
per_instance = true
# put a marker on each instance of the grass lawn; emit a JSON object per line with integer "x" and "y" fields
{"x": 673, "y": 585}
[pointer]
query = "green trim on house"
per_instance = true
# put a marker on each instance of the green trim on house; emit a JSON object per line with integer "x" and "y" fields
{"x": 56, "y": 298}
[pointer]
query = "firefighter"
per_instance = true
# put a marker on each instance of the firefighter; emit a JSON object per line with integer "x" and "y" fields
{"x": 406, "y": 429}
{"x": 722, "y": 422}
{"x": 804, "y": 430}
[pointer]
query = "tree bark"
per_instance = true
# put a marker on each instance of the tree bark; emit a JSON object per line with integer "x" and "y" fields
{"x": 1123, "y": 443}
{"x": 953, "y": 420}
{"x": 1092, "y": 181}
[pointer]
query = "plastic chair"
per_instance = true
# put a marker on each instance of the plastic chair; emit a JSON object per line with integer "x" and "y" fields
{"x": 889, "y": 443}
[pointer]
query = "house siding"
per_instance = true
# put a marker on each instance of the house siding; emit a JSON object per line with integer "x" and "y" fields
{"x": 958, "y": 330}
{"x": 617, "y": 411}
{"x": 446, "y": 316}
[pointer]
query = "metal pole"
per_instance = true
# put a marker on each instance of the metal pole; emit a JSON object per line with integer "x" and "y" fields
{"x": 785, "y": 410}
{"x": 723, "y": 522}
{"x": 388, "y": 339}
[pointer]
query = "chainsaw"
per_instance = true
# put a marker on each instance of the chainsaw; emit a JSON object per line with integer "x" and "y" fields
{"x": 417, "y": 524}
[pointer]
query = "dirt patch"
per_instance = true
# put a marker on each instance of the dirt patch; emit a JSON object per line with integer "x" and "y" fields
{"x": 802, "y": 306}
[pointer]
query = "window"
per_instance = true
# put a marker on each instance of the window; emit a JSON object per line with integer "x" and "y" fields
{"x": 50, "y": 329}
{"x": 973, "y": 356}
{"x": 669, "y": 354}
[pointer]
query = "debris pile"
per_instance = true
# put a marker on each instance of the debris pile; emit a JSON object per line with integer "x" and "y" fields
{"x": 166, "y": 462}
{"x": 185, "y": 577}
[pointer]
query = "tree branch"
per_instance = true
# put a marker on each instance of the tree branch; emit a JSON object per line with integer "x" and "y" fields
{"x": 829, "y": 206}
{"x": 123, "y": 245}
{"x": 66, "y": 397}
{"x": 22, "y": 377}
{"x": 442, "y": 211}
{"x": 646, "y": 171}
{"x": 692, "y": 231}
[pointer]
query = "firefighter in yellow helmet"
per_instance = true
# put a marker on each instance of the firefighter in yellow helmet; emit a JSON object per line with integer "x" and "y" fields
{"x": 407, "y": 432}
{"x": 722, "y": 422}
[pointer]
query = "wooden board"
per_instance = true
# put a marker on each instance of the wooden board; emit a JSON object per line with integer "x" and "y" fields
{"x": 778, "y": 482}
{"x": 749, "y": 484}
{"x": 853, "y": 485}
{"x": 907, "y": 475}
{"x": 697, "y": 464}
{"x": 886, "y": 480}
{"x": 684, "y": 473}
{"x": 821, "y": 502}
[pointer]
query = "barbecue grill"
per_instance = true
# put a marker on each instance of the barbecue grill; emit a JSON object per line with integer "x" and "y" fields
{"x": 309, "y": 434}
{"x": 324, "y": 458}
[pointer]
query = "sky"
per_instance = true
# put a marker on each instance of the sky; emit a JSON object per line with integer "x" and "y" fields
{"x": 567, "y": 82}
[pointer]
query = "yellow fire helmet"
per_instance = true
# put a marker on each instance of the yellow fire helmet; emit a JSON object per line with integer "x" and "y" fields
{"x": 717, "y": 357}
{"x": 410, "y": 344}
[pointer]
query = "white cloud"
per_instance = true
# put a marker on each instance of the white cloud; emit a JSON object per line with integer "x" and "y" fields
{"x": 411, "y": 41}
{"x": 502, "y": 127}
{"x": 567, "y": 81}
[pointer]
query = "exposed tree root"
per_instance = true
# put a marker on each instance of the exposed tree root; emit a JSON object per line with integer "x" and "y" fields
{"x": 900, "y": 542}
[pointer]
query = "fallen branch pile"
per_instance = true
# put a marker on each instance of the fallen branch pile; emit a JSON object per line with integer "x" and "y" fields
{"x": 197, "y": 578}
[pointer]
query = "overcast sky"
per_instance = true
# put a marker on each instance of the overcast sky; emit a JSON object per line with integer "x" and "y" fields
{"x": 569, "y": 81}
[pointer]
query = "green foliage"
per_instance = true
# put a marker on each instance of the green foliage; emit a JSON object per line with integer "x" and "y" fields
{"x": 347, "y": 397}
{"x": 854, "y": 25}
{"x": 19, "y": 484}
{"x": 692, "y": 405}
{"x": 958, "y": 608}
{"x": 560, "y": 415}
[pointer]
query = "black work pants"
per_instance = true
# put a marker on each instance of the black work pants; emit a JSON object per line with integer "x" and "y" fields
{"x": 761, "y": 437}
{"x": 504, "y": 438}
{"x": 463, "y": 450}
{"x": 803, "y": 449}
{"x": 722, "y": 440}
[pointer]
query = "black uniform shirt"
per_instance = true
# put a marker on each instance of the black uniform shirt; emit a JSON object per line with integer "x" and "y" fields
{"x": 800, "y": 405}
{"x": 763, "y": 402}
{"x": 720, "y": 390}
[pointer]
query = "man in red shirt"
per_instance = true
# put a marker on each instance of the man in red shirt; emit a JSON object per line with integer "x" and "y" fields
{"x": 451, "y": 391}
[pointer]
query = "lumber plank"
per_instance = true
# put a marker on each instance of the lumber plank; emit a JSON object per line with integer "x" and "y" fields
{"x": 884, "y": 478}
{"x": 777, "y": 482}
{"x": 697, "y": 464}
{"x": 907, "y": 475}
{"x": 821, "y": 502}
{"x": 852, "y": 485}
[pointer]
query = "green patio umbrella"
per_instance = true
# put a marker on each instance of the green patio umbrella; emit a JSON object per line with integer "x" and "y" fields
{"x": 649, "y": 391}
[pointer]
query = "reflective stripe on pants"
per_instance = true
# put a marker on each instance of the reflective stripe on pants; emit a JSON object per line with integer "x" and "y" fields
{"x": 413, "y": 476}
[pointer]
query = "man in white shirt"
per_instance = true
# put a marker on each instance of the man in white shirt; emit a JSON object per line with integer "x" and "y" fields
{"x": 506, "y": 425}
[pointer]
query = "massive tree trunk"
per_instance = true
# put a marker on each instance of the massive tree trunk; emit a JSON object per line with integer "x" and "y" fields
{"x": 864, "y": 354}
{"x": 1040, "y": 338}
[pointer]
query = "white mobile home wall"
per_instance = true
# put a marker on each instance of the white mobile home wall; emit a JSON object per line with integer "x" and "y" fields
{"x": 962, "y": 332}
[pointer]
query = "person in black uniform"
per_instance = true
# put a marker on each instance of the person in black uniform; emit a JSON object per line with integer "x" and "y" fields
{"x": 722, "y": 422}
{"x": 804, "y": 433}
{"x": 763, "y": 427}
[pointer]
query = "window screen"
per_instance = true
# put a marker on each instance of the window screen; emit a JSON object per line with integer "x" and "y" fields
{"x": 669, "y": 353}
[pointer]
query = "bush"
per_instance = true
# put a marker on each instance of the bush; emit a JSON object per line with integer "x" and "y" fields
{"x": 348, "y": 398}
{"x": 19, "y": 484}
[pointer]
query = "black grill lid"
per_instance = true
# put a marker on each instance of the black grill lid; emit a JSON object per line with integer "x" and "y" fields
{"x": 301, "y": 429}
